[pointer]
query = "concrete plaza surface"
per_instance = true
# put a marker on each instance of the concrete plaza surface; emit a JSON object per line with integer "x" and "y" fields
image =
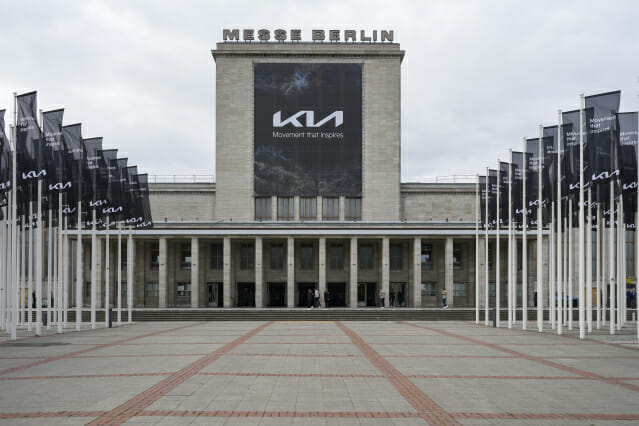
{"x": 319, "y": 373}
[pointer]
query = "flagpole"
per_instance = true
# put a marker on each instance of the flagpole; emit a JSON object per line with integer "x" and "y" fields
{"x": 571, "y": 262}
{"x": 60, "y": 263}
{"x": 620, "y": 277}
{"x": 598, "y": 248}
{"x": 487, "y": 269}
{"x": 477, "y": 207}
{"x": 580, "y": 236}
{"x": 107, "y": 281}
{"x": 524, "y": 248}
{"x": 49, "y": 269}
{"x": 66, "y": 272}
{"x": 559, "y": 268}
{"x": 637, "y": 240}
{"x": 38, "y": 266}
{"x": 611, "y": 257}
{"x": 79, "y": 302}
{"x": 497, "y": 269}
{"x": 120, "y": 273}
{"x": 589, "y": 264}
{"x": 30, "y": 266}
{"x": 552, "y": 267}
{"x": 94, "y": 269}
{"x": 605, "y": 274}
{"x": 510, "y": 248}
{"x": 129, "y": 272}
{"x": 540, "y": 263}
{"x": 23, "y": 271}
{"x": 14, "y": 220}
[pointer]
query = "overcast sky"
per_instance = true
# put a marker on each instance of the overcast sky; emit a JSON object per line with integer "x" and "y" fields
{"x": 477, "y": 77}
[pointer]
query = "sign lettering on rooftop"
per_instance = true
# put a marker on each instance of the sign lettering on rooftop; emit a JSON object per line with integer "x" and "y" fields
{"x": 335, "y": 36}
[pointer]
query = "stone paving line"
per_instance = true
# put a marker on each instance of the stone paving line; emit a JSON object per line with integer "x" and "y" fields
{"x": 360, "y": 335}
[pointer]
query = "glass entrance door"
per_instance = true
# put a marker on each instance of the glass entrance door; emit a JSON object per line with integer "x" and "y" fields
{"x": 214, "y": 293}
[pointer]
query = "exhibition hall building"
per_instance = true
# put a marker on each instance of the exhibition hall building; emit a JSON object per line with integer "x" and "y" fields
{"x": 307, "y": 195}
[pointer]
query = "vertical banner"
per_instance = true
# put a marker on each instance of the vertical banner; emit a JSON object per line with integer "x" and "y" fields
{"x": 602, "y": 136}
{"x": 503, "y": 191}
{"x": 483, "y": 187}
{"x": 532, "y": 180}
{"x": 27, "y": 150}
{"x": 492, "y": 199}
{"x": 5, "y": 158}
{"x": 74, "y": 160}
{"x": 517, "y": 190}
{"x": 56, "y": 180}
{"x": 549, "y": 172}
{"x": 91, "y": 172}
{"x": 628, "y": 138}
{"x": 107, "y": 162}
{"x": 307, "y": 129}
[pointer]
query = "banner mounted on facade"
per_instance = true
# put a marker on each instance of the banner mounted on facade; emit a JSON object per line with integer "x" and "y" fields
{"x": 307, "y": 129}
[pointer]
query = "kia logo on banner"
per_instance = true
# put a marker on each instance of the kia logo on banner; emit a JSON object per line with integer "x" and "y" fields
{"x": 60, "y": 186}
{"x": 33, "y": 174}
{"x": 97, "y": 203}
{"x": 338, "y": 116}
{"x": 112, "y": 210}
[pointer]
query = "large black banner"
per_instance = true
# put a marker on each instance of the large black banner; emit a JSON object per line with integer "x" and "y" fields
{"x": 483, "y": 191}
{"x": 503, "y": 192}
{"x": 52, "y": 129}
{"x": 570, "y": 147}
{"x": 5, "y": 158}
{"x": 517, "y": 170}
{"x": 307, "y": 129}
{"x": 628, "y": 139}
{"x": 532, "y": 179}
{"x": 492, "y": 199}
{"x": 603, "y": 143}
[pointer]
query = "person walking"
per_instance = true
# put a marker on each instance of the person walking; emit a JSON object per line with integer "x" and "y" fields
{"x": 382, "y": 296}
{"x": 327, "y": 299}
{"x": 317, "y": 298}
{"x": 391, "y": 302}
{"x": 309, "y": 298}
{"x": 444, "y": 295}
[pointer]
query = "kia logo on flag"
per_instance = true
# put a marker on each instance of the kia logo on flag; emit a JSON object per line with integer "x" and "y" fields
{"x": 111, "y": 210}
{"x": 605, "y": 175}
{"x": 632, "y": 185}
{"x": 60, "y": 186}
{"x": 33, "y": 174}
{"x": 134, "y": 220}
{"x": 338, "y": 116}
{"x": 5, "y": 185}
{"x": 97, "y": 203}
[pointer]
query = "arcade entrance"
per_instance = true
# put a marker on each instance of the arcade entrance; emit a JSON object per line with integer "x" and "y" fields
{"x": 302, "y": 293}
{"x": 245, "y": 295}
{"x": 276, "y": 295}
{"x": 215, "y": 295}
{"x": 366, "y": 294}
{"x": 338, "y": 294}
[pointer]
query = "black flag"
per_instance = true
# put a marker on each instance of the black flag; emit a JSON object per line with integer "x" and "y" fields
{"x": 628, "y": 138}
{"x": 92, "y": 148}
{"x": 503, "y": 193}
{"x": 603, "y": 138}
{"x": 74, "y": 160}
{"x": 517, "y": 167}
{"x": 5, "y": 159}
{"x": 482, "y": 200}
{"x": 532, "y": 179}
{"x": 492, "y": 198}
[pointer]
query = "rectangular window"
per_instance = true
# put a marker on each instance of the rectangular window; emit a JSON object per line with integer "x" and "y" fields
{"x": 396, "y": 257}
{"x": 155, "y": 256}
{"x": 427, "y": 257}
{"x": 217, "y": 256}
{"x": 330, "y": 208}
{"x": 262, "y": 208}
{"x": 87, "y": 289}
{"x": 308, "y": 208}
{"x": 277, "y": 257}
{"x": 123, "y": 260}
{"x": 306, "y": 256}
{"x": 247, "y": 256}
{"x": 151, "y": 290}
{"x": 185, "y": 256}
{"x": 336, "y": 254}
{"x": 492, "y": 289}
{"x": 460, "y": 289}
{"x": 458, "y": 254}
{"x": 124, "y": 287}
{"x": 183, "y": 289}
{"x": 429, "y": 289}
{"x": 285, "y": 206}
{"x": 353, "y": 209}
{"x": 365, "y": 256}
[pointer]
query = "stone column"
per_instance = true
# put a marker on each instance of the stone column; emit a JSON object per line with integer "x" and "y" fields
{"x": 386, "y": 270}
{"x": 481, "y": 284}
{"x": 130, "y": 274}
{"x": 448, "y": 271}
{"x": 290, "y": 272}
{"x": 417, "y": 272}
{"x": 163, "y": 273}
{"x": 273, "y": 207}
{"x": 259, "y": 282}
{"x": 320, "y": 207}
{"x": 342, "y": 208}
{"x": 99, "y": 276}
{"x": 195, "y": 272}
{"x": 322, "y": 268}
{"x": 226, "y": 273}
{"x": 353, "y": 275}
{"x": 296, "y": 208}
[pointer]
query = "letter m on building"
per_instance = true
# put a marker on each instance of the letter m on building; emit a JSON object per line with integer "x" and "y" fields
{"x": 231, "y": 35}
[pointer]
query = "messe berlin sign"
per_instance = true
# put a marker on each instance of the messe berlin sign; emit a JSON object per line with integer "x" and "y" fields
{"x": 383, "y": 36}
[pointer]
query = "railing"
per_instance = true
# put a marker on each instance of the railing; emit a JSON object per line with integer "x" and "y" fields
{"x": 182, "y": 178}
{"x": 441, "y": 179}
{"x": 406, "y": 179}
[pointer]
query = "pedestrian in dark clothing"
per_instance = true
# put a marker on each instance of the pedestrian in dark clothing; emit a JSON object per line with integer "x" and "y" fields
{"x": 327, "y": 299}
{"x": 392, "y": 298}
{"x": 309, "y": 298}
{"x": 33, "y": 300}
{"x": 316, "y": 298}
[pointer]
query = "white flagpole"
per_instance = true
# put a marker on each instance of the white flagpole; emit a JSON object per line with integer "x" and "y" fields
{"x": 107, "y": 280}
{"x": 66, "y": 273}
{"x": 598, "y": 248}
{"x": 570, "y": 248}
{"x": 3, "y": 281}
{"x": 120, "y": 273}
{"x": 620, "y": 277}
{"x": 14, "y": 222}
{"x": 524, "y": 249}
{"x": 510, "y": 248}
{"x": 559, "y": 268}
{"x": 38, "y": 259}
{"x": 477, "y": 207}
{"x": 563, "y": 291}
{"x": 582, "y": 277}
{"x": 23, "y": 271}
{"x": 589, "y": 264}
{"x": 79, "y": 296}
{"x": 94, "y": 269}
{"x": 49, "y": 269}
{"x": 59, "y": 270}
{"x": 637, "y": 243}
{"x": 486, "y": 289}
{"x": 552, "y": 267}
{"x": 30, "y": 266}
{"x": 611, "y": 259}
{"x": 540, "y": 263}
{"x": 129, "y": 272}
{"x": 605, "y": 274}
{"x": 497, "y": 269}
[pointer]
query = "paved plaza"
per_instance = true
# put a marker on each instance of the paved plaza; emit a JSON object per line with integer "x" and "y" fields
{"x": 319, "y": 373}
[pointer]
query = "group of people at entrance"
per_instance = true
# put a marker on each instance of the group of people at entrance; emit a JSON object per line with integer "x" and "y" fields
{"x": 313, "y": 299}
